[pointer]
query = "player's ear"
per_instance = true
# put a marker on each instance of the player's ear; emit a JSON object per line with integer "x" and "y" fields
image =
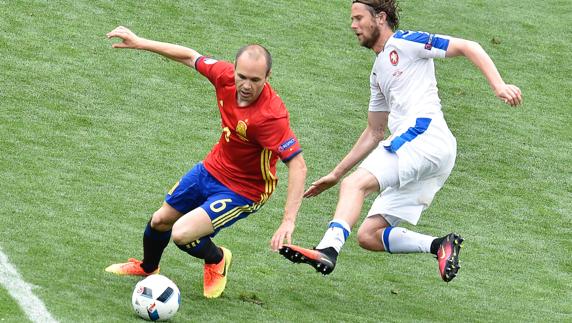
{"x": 268, "y": 75}
{"x": 382, "y": 16}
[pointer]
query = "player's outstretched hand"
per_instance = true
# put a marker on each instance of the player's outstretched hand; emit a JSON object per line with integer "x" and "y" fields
{"x": 130, "y": 40}
{"x": 321, "y": 185}
{"x": 284, "y": 232}
{"x": 510, "y": 94}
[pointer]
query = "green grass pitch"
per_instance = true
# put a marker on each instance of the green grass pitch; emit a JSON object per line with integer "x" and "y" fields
{"x": 91, "y": 138}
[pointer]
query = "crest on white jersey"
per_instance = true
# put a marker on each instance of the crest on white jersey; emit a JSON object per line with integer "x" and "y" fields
{"x": 393, "y": 57}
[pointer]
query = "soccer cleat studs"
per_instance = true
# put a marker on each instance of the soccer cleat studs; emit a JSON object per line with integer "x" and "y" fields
{"x": 321, "y": 262}
{"x": 448, "y": 256}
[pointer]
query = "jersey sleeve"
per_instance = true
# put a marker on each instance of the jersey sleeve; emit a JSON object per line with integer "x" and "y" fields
{"x": 425, "y": 45}
{"x": 377, "y": 100}
{"x": 211, "y": 68}
{"x": 277, "y": 136}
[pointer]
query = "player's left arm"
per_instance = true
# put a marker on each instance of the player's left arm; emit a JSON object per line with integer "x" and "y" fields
{"x": 296, "y": 179}
{"x": 509, "y": 93}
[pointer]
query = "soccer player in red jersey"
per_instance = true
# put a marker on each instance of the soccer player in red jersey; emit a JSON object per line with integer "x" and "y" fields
{"x": 238, "y": 175}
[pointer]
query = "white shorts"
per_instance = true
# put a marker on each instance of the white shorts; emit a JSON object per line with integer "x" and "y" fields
{"x": 410, "y": 178}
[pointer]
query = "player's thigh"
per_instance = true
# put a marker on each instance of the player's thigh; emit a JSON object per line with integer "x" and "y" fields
{"x": 218, "y": 211}
{"x": 361, "y": 179}
{"x": 384, "y": 166}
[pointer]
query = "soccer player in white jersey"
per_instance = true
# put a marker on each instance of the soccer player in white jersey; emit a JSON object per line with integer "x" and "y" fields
{"x": 411, "y": 165}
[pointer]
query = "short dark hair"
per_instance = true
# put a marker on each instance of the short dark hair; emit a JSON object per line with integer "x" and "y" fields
{"x": 390, "y": 8}
{"x": 259, "y": 47}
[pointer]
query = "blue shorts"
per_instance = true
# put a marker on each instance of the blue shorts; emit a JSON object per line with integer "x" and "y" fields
{"x": 198, "y": 188}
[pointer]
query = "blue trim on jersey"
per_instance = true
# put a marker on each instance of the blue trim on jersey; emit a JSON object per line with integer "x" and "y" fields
{"x": 386, "y": 232}
{"x": 421, "y": 125}
{"x": 291, "y": 156}
{"x": 430, "y": 40}
{"x": 338, "y": 225}
{"x": 197, "y": 60}
{"x": 440, "y": 43}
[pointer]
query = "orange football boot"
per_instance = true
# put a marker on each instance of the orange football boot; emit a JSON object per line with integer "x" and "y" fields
{"x": 215, "y": 275}
{"x": 132, "y": 268}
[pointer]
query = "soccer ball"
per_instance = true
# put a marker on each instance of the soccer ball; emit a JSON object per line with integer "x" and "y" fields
{"x": 156, "y": 298}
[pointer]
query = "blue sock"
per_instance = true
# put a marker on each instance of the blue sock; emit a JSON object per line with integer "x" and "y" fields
{"x": 204, "y": 248}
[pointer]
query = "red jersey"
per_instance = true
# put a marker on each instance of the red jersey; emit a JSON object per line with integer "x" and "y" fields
{"x": 253, "y": 137}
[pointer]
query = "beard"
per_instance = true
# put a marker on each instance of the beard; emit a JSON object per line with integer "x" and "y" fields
{"x": 370, "y": 41}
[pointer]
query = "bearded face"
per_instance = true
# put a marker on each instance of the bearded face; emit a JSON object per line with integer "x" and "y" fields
{"x": 365, "y": 25}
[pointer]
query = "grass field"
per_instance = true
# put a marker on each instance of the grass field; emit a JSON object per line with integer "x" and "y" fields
{"x": 91, "y": 138}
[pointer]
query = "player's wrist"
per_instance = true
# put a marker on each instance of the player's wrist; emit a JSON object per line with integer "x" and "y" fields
{"x": 288, "y": 219}
{"x": 498, "y": 87}
{"x": 336, "y": 174}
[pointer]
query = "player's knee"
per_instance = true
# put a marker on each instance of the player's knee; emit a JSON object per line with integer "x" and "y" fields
{"x": 178, "y": 237}
{"x": 369, "y": 234}
{"x": 350, "y": 183}
{"x": 158, "y": 223}
{"x": 367, "y": 241}
{"x": 161, "y": 221}
{"x": 183, "y": 235}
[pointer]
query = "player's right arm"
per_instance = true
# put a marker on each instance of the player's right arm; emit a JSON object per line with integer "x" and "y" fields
{"x": 368, "y": 141}
{"x": 177, "y": 53}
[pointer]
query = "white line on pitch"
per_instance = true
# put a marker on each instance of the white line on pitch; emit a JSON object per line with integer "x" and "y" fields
{"x": 22, "y": 292}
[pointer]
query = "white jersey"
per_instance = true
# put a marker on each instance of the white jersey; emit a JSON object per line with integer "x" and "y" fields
{"x": 403, "y": 77}
{"x": 403, "y": 83}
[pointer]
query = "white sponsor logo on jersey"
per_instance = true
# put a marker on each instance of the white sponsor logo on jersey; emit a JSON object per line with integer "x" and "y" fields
{"x": 210, "y": 61}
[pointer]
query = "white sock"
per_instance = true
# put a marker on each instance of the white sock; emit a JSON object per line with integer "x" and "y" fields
{"x": 336, "y": 235}
{"x": 401, "y": 240}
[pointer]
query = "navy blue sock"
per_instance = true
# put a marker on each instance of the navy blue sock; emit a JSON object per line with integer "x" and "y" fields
{"x": 204, "y": 248}
{"x": 154, "y": 242}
